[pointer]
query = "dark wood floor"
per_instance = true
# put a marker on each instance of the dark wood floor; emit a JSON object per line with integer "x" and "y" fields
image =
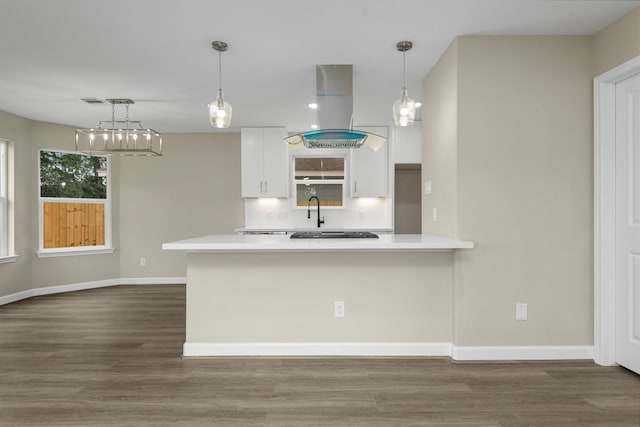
{"x": 112, "y": 357}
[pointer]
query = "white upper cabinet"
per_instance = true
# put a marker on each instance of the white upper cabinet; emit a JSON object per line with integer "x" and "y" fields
{"x": 264, "y": 162}
{"x": 407, "y": 144}
{"x": 370, "y": 169}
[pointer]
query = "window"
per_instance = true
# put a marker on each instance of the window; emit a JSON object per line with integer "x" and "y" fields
{"x": 322, "y": 177}
{"x": 74, "y": 203}
{"x": 4, "y": 199}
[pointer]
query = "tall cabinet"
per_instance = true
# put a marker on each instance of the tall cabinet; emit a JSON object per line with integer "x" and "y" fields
{"x": 264, "y": 162}
{"x": 370, "y": 169}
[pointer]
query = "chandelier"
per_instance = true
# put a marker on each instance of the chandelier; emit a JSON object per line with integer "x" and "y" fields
{"x": 119, "y": 137}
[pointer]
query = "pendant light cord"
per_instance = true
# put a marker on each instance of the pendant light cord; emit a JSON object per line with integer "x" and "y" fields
{"x": 404, "y": 69}
{"x": 219, "y": 71}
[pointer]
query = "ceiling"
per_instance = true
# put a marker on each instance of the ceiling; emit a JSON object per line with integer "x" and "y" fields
{"x": 158, "y": 53}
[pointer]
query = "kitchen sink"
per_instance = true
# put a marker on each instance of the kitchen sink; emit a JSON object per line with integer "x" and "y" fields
{"x": 333, "y": 235}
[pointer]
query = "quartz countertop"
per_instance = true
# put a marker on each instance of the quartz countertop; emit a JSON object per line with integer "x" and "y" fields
{"x": 228, "y": 243}
{"x": 265, "y": 230}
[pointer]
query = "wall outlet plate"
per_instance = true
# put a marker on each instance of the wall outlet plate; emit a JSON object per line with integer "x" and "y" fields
{"x": 521, "y": 311}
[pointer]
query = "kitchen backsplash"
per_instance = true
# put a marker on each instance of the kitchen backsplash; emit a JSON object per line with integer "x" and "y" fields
{"x": 372, "y": 213}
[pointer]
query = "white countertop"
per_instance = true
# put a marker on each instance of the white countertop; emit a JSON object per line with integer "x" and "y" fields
{"x": 294, "y": 229}
{"x": 283, "y": 243}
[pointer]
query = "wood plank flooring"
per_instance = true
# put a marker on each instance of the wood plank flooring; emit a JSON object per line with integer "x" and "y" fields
{"x": 112, "y": 357}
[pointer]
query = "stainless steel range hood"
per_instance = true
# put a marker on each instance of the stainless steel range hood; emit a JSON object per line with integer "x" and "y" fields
{"x": 334, "y": 96}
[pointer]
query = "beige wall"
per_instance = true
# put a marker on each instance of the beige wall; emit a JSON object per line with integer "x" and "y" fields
{"x": 617, "y": 43}
{"x": 525, "y": 191}
{"x": 192, "y": 190}
{"x": 389, "y": 297}
{"x": 439, "y": 150}
{"x": 16, "y": 277}
{"x": 520, "y": 173}
{"x": 72, "y": 269}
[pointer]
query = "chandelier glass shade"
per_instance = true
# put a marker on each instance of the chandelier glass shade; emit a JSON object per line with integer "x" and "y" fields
{"x": 404, "y": 109}
{"x": 119, "y": 137}
{"x": 220, "y": 110}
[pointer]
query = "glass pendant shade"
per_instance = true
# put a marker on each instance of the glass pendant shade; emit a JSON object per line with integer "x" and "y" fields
{"x": 404, "y": 109}
{"x": 220, "y": 112}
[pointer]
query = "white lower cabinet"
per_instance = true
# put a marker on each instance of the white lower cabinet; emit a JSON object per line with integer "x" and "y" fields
{"x": 264, "y": 162}
{"x": 370, "y": 169}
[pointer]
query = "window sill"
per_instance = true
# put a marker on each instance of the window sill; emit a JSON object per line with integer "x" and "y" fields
{"x": 7, "y": 259}
{"x": 51, "y": 253}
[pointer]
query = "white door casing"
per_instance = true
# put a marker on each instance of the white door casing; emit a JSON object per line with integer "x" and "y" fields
{"x": 605, "y": 210}
{"x": 628, "y": 223}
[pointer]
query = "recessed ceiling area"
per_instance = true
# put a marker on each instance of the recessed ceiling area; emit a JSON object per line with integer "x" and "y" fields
{"x": 158, "y": 53}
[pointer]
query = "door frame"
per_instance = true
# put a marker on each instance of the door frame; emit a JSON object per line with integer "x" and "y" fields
{"x": 604, "y": 86}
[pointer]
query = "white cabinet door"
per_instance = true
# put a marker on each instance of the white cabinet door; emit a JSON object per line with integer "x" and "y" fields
{"x": 264, "y": 162}
{"x": 275, "y": 170}
{"x": 407, "y": 144}
{"x": 251, "y": 162}
{"x": 370, "y": 169}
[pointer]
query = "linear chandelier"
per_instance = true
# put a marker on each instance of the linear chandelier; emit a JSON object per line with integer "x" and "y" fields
{"x": 119, "y": 137}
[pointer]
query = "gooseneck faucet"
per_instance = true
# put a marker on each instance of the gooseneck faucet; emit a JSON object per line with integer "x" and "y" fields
{"x": 309, "y": 209}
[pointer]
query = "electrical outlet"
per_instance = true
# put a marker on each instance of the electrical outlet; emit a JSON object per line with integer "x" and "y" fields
{"x": 338, "y": 308}
{"x": 434, "y": 214}
{"x": 521, "y": 311}
{"x": 143, "y": 261}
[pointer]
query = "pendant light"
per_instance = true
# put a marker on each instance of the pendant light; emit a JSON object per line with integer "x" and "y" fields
{"x": 220, "y": 110}
{"x": 404, "y": 109}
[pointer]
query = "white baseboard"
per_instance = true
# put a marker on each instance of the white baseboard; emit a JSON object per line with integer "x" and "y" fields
{"x": 8, "y": 299}
{"x": 316, "y": 349}
{"x": 153, "y": 280}
{"x": 495, "y": 353}
{"x": 90, "y": 285}
{"x": 552, "y": 352}
{"x": 468, "y": 353}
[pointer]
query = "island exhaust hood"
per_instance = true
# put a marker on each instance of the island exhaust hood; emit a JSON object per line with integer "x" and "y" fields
{"x": 334, "y": 96}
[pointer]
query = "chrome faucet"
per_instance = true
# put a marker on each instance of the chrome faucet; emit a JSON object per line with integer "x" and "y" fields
{"x": 309, "y": 209}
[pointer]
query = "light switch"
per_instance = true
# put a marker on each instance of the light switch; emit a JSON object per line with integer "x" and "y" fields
{"x": 521, "y": 311}
{"x": 427, "y": 188}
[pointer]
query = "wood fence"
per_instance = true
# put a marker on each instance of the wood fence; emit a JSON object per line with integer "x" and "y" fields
{"x": 73, "y": 224}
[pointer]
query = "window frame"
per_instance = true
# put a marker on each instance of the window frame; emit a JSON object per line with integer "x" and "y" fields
{"x": 295, "y": 182}
{"x": 107, "y": 248}
{"x": 4, "y": 199}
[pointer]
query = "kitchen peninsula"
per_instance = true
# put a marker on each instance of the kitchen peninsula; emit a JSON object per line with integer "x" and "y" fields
{"x": 272, "y": 295}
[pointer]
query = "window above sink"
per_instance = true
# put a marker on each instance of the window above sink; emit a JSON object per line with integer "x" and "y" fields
{"x": 323, "y": 177}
